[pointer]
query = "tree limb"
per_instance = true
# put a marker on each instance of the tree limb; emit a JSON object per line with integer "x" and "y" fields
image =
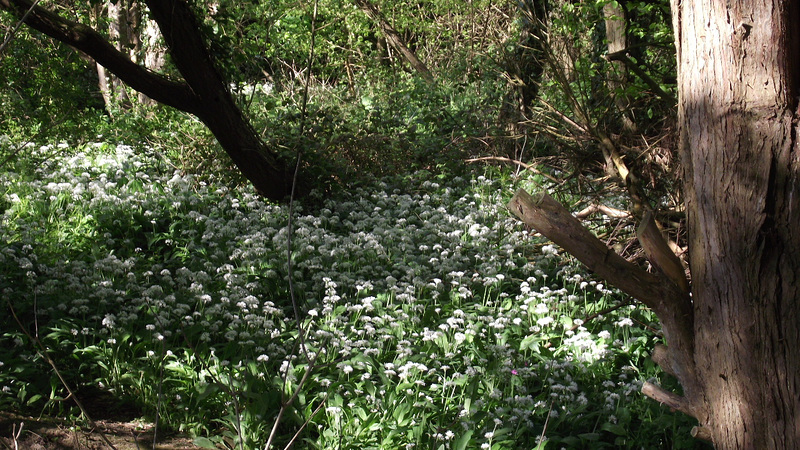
{"x": 622, "y": 56}
{"x": 14, "y": 30}
{"x": 671, "y": 304}
{"x": 394, "y": 39}
{"x": 89, "y": 41}
{"x": 668, "y": 398}
{"x": 659, "y": 253}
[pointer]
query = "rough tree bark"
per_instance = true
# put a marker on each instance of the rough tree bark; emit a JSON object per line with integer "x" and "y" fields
{"x": 738, "y": 84}
{"x": 733, "y": 342}
{"x": 203, "y": 91}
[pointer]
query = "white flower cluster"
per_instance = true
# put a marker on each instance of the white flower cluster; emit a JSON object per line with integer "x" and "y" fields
{"x": 415, "y": 282}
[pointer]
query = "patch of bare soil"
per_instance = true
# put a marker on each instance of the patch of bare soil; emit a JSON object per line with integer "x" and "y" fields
{"x": 116, "y": 427}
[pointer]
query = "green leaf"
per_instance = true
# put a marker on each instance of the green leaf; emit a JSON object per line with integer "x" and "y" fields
{"x": 400, "y": 412}
{"x": 34, "y": 398}
{"x": 614, "y": 428}
{"x": 589, "y": 436}
{"x": 462, "y": 442}
{"x": 530, "y": 342}
{"x": 542, "y": 445}
{"x": 204, "y": 442}
{"x": 207, "y": 390}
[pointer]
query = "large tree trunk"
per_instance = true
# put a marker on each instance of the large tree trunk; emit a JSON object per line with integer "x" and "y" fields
{"x": 734, "y": 345}
{"x": 203, "y": 91}
{"x": 738, "y": 87}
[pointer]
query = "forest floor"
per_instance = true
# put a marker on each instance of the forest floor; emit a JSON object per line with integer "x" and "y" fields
{"x": 117, "y": 426}
{"x": 54, "y": 434}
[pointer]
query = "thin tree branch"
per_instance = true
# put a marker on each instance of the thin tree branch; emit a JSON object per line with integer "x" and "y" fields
{"x": 42, "y": 350}
{"x": 394, "y": 39}
{"x": 613, "y": 213}
{"x": 302, "y": 427}
{"x": 17, "y": 26}
{"x": 519, "y": 163}
{"x": 622, "y": 56}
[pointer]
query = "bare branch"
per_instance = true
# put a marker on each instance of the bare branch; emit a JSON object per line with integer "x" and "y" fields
{"x": 613, "y": 213}
{"x": 394, "y": 39}
{"x": 622, "y": 56}
{"x": 519, "y": 163}
{"x": 674, "y": 401}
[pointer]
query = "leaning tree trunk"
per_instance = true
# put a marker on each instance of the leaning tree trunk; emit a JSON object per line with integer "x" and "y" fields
{"x": 733, "y": 334}
{"x": 738, "y": 86}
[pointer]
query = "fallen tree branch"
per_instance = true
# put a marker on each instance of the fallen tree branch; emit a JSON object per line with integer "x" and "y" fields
{"x": 671, "y": 399}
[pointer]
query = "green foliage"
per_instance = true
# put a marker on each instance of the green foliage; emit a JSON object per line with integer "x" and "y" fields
{"x": 37, "y": 104}
{"x": 387, "y": 129}
{"x": 578, "y": 43}
{"x": 431, "y": 318}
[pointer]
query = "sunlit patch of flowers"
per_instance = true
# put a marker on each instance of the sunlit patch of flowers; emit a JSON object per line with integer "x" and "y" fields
{"x": 432, "y": 317}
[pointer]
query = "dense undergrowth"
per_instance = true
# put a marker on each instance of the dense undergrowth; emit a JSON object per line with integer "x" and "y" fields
{"x": 430, "y": 318}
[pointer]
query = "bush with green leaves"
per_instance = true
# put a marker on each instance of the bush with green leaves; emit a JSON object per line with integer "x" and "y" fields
{"x": 37, "y": 104}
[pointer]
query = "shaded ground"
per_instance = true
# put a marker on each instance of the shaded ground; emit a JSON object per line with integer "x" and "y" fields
{"x": 19, "y": 432}
{"x": 116, "y": 427}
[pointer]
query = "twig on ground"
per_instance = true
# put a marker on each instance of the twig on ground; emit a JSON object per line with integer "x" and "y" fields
{"x": 42, "y": 351}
